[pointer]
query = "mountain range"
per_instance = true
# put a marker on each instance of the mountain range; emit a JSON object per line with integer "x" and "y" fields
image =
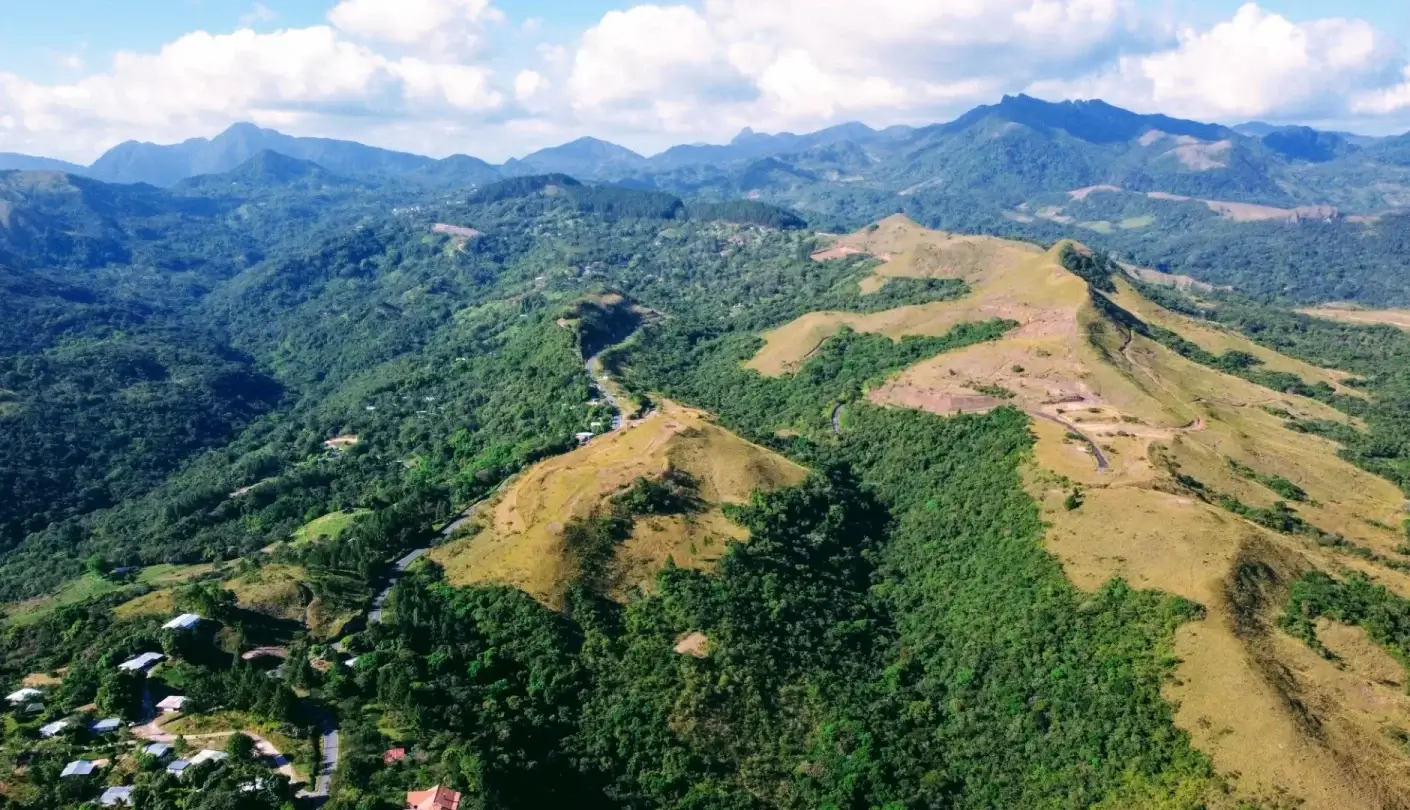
{"x": 1219, "y": 203}
{"x": 1072, "y": 133}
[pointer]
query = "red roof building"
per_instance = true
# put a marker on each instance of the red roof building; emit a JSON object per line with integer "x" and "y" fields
{"x": 437, "y": 798}
{"x": 393, "y": 755}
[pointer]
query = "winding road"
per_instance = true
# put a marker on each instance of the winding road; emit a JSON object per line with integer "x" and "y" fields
{"x": 329, "y": 742}
{"x": 1096, "y": 450}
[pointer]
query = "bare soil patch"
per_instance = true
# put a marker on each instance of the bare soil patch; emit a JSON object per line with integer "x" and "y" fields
{"x": 1084, "y": 193}
{"x": 1392, "y": 317}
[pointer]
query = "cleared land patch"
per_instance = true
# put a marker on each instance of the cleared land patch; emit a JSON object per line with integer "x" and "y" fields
{"x": 520, "y": 541}
{"x": 1391, "y": 317}
{"x": 328, "y": 527}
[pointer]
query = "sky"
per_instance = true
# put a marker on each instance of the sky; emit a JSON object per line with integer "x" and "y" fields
{"x": 501, "y": 78}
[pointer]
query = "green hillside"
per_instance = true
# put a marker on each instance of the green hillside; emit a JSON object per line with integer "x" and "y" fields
{"x": 718, "y": 510}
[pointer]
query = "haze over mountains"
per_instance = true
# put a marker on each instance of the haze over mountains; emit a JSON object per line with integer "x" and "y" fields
{"x": 1094, "y": 123}
{"x": 1217, "y": 202}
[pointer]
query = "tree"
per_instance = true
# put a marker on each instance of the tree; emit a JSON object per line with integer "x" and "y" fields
{"x": 120, "y": 693}
{"x": 241, "y": 748}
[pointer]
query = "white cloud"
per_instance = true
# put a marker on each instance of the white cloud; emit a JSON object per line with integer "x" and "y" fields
{"x": 434, "y": 75}
{"x": 440, "y": 26}
{"x": 527, "y": 84}
{"x": 1387, "y": 100}
{"x": 202, "y": 81}
{"x": 259, "y": 13}
{"x": 638, "y": 55}
{"x": 800, "y": 63}
{"x": 1256, "y": 64}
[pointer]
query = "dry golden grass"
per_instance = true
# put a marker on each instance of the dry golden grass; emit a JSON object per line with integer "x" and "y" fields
{"x": 1287, "y": 727}
{"x": 156, "y": 603}
{"x": 1393, "y": 317}
{"x": 42, "y": 680}
{"x": 276, "y": 591}
{"x": 521, "y": 541}
{"x": 1213, "y": 338}
{"x": 998, "y": 271}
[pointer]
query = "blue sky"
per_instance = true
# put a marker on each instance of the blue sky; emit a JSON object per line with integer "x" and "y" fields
{"x": 501, "y": 77}
{"x": 33, "y": 33}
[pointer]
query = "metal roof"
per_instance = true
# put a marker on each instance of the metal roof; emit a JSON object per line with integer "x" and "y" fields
{"x": 116, "y": 795}
{"x": 141, "y": 662}
{"x": 53, "y": 728}
{"x": 24, "y": 694}
{"x": 79, "y": 767}
{"x": 183, "y": 622}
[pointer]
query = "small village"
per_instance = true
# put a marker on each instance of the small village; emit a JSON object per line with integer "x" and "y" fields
{"x": 163, "y": 736}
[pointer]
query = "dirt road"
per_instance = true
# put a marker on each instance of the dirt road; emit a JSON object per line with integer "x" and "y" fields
{"x": 1096, "y": 450}
{"x": 154, "y": 733}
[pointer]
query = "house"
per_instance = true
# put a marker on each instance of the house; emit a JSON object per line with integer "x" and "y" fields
{"x": 393, "y": 755}
{"x": 158, "y": 750}
{"x": 53, "y": 728}
{"x": 107, "y": 726}
{"x": 437, "y": 798}
{"x": 114, "y": 796}
{"x": 141, "y": 663}
{"x": 23, "y": 696}
{"x": 171, "y": 704}
{"x": 79, "y": 767}
{"x": 208, "y": 755}
{"x": 584, "y": 437}
{"x": 185, "y": 621}
{"x": 351, "y": 662}
{"x": 177, "y": 767}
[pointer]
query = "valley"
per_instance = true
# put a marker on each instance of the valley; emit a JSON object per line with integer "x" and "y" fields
{"x": 562, "y": 492}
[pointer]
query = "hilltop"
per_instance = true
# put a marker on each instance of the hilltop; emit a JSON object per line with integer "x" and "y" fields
{"x": 521, "y": 539}
{"x": 1155, "y": 447}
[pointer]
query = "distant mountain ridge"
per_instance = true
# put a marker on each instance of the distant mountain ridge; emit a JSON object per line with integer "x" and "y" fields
{"x": 1009, "y": 151}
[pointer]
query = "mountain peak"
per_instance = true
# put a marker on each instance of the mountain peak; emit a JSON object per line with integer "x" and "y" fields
{"x": 1091, "y": 120}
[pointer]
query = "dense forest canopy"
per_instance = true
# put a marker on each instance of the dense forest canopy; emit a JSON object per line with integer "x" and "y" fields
{"x": 194, "y": 377}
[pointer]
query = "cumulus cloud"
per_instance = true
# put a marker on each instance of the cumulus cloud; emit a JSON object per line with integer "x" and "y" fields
{"x": 1256, "y": 64}
{"x": 527, "y": 84}
{"x": 798, "y": 63}
{"x": 422, "y": 74}
{"x": 204, "y": 81}
{"x": 444, "y": 26}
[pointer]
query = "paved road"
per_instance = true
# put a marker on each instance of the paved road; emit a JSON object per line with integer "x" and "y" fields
{"x": 329, "y": 740}
{"x": 328, "y": 764}
{"x": 375, "y": 614}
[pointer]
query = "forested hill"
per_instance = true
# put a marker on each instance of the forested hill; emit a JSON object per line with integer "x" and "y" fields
{"x": 562, "y": 493}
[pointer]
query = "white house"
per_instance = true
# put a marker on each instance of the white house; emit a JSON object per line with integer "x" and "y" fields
{"x": 114, "y": 796}
{"x": 79, "y": 767}
{"x": 23, "y": 696}
{"x": 141, "y": 663}
{"x": 158, "y": 750}
{"x": 185, "y": 621}
{"x": 171, "y": 704}
{"x": 107, "y": 726}
{"x": 177, "y": 767}
{"x": 53, "y": 728}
